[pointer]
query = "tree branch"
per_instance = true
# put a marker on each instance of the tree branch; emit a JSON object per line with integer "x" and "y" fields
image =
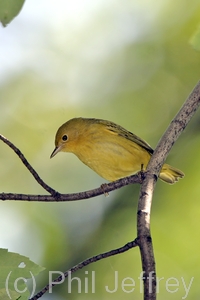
{"x": 148, "y": 181}
{"x": 56, "y": 196}
{"x": 176, "y": 127}
{"x": 84, "y": 263}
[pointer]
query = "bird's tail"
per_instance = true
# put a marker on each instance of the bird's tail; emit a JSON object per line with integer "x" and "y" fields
{"x": 170, "y": 174}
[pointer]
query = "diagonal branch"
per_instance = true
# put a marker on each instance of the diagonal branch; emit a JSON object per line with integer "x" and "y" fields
{"x": 176, "y": 127}
{"x": 174, "y": 130}
{"x": 84, "y": 263}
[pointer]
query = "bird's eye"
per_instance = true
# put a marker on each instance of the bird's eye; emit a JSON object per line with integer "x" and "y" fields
{"x": 64, "y": 138}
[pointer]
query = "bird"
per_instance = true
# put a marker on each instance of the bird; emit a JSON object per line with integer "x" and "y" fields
{"x": 108, "y": 149}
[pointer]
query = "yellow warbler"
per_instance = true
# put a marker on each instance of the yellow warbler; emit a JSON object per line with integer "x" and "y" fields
{"x": 108, "y": 149}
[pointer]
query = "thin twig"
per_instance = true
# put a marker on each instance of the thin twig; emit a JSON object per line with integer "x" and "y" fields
{"x": 84, "y": 263}
{"x": 176, "y": 127}
{"x": 28, "y": 166}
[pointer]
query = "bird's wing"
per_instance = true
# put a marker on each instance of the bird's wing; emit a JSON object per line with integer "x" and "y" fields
{"x": 116, "y": 129}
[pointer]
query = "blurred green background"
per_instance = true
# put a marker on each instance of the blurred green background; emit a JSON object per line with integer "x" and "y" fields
{"x": 130, "y": 62}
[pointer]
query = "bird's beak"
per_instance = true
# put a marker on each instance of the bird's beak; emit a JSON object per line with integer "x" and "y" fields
{"x": 55, "y": 151}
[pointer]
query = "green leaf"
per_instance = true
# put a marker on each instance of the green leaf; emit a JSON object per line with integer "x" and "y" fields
{"x": 4, "y": 295}
{"x": 9, "y": 9}
{"x": 195, "y": 40}
{"x": 15, "y": 270}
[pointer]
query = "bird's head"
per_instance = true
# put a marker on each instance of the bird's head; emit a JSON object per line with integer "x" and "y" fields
{"x": 67, "y": 136}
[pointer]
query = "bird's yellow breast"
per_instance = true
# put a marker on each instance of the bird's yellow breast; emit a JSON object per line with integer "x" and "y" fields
{"x": 110, "y": 155}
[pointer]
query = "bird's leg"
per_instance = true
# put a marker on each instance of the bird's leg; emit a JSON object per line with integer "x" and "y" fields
{"x": 103, "y": 186}
{"x": 142, "y": 172}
